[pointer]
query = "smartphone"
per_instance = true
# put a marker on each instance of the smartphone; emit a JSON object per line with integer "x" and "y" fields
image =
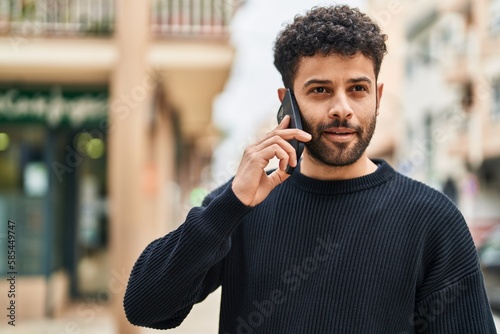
{"x": 289, "y": 107}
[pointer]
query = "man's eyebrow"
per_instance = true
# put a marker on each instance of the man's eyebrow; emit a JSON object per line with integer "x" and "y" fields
{"x": 360, "y": 79}
{"x": 329, "y": 82}
{"x": 317, "y": 81}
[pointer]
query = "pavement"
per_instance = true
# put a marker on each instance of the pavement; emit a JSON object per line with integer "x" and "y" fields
{"x": 203, "y": 318}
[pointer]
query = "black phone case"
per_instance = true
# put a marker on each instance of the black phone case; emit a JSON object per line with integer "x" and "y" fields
{"x": 289, "y": 107}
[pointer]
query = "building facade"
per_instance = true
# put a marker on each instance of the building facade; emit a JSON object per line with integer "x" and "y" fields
{"x": 449, "y": 99}
{"x": 105, "y": 121}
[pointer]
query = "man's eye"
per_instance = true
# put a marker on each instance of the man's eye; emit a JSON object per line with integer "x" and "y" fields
{"x": 319, "y": 90}
{"x": 359, "y": 88}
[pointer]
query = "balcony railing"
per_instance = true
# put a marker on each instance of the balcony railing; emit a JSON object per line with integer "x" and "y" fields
{"x": 169, "y": 18}
{"x": 192, "y": 18}
{"x": 56, "y": 17}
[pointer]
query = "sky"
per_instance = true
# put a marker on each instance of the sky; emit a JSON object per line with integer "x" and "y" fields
{"x": 247, "y": 107}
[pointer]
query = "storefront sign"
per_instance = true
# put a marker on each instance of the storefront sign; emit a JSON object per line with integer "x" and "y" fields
{"x": 53, "y": 108}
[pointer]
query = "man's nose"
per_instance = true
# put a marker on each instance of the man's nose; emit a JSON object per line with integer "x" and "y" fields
{"x": 340, "y": 107}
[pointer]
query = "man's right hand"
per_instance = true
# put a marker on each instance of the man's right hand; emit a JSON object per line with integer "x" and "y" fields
{"x": 251, "y": 183}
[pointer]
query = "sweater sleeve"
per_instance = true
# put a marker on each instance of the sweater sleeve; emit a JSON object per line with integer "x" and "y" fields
{"x": 180, "y": 269}
{"x": 461, "y": 307}
{"x": 451, "y": 297}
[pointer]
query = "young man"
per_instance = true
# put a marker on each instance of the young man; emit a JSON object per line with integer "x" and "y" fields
{"x": 343, "y": 245}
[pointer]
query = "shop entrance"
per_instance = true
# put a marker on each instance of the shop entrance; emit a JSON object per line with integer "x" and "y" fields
{"x": 53, "y": 185}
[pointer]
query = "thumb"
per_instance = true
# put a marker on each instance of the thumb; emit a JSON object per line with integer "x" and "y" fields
{"x": 278, "y": 177}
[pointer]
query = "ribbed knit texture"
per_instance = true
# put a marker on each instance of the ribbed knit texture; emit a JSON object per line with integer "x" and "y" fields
{"x": 377, "y": 254}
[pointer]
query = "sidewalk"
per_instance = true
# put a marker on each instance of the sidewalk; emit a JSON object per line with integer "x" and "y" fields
{"x": 102, "y": 324}
{"x": 204, "y": 318}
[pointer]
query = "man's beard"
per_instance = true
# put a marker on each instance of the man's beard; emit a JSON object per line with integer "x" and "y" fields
{"x": 341, "y": 154}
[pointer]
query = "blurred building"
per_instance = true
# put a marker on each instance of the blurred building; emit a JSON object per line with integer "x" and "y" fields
{"x": 449, "y": 99}
{"x": 105, "y": 122}
{"x": 389, "y": 128}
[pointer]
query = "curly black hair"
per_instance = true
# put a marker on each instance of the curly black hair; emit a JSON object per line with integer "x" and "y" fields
{"x": 340, "y": 30}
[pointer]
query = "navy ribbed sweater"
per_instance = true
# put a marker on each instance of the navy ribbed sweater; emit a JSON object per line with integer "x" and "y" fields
{"x": 376, "y": 254}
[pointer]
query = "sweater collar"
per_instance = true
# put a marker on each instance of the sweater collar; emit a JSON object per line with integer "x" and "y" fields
{"x": 383, "y": 174}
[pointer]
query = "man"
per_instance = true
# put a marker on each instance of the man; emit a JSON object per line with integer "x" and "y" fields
{"x": 344, "y": 244}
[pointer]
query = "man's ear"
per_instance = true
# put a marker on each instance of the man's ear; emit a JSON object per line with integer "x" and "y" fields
{"x": 380, "y": 90}
{"x": 281, "y": 93}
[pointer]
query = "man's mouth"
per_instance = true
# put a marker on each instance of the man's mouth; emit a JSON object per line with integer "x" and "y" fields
{"x": 340, "y": 131}
{"x": 341, "y": 134}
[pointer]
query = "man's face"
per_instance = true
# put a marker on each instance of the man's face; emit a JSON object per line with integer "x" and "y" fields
{"x": 338, "y": 98}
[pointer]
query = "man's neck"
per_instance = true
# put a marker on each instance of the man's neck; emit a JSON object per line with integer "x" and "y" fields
{"x": 315, "y": 169}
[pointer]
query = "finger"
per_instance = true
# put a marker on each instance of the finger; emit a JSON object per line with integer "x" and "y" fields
{"x": 280, "y": 153}
{"x": 281, "y": 126}
{"x": 285, "y": 122}
{"x": 260, "y": 157}
{"x": 289, "y": 134}
{"x": 283, "y": 138}
{"x": 282, "y": 164}
{"x": 286, "y": 158}
{"x": 283, "y": 144}
{"x": 266, "y": 154}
